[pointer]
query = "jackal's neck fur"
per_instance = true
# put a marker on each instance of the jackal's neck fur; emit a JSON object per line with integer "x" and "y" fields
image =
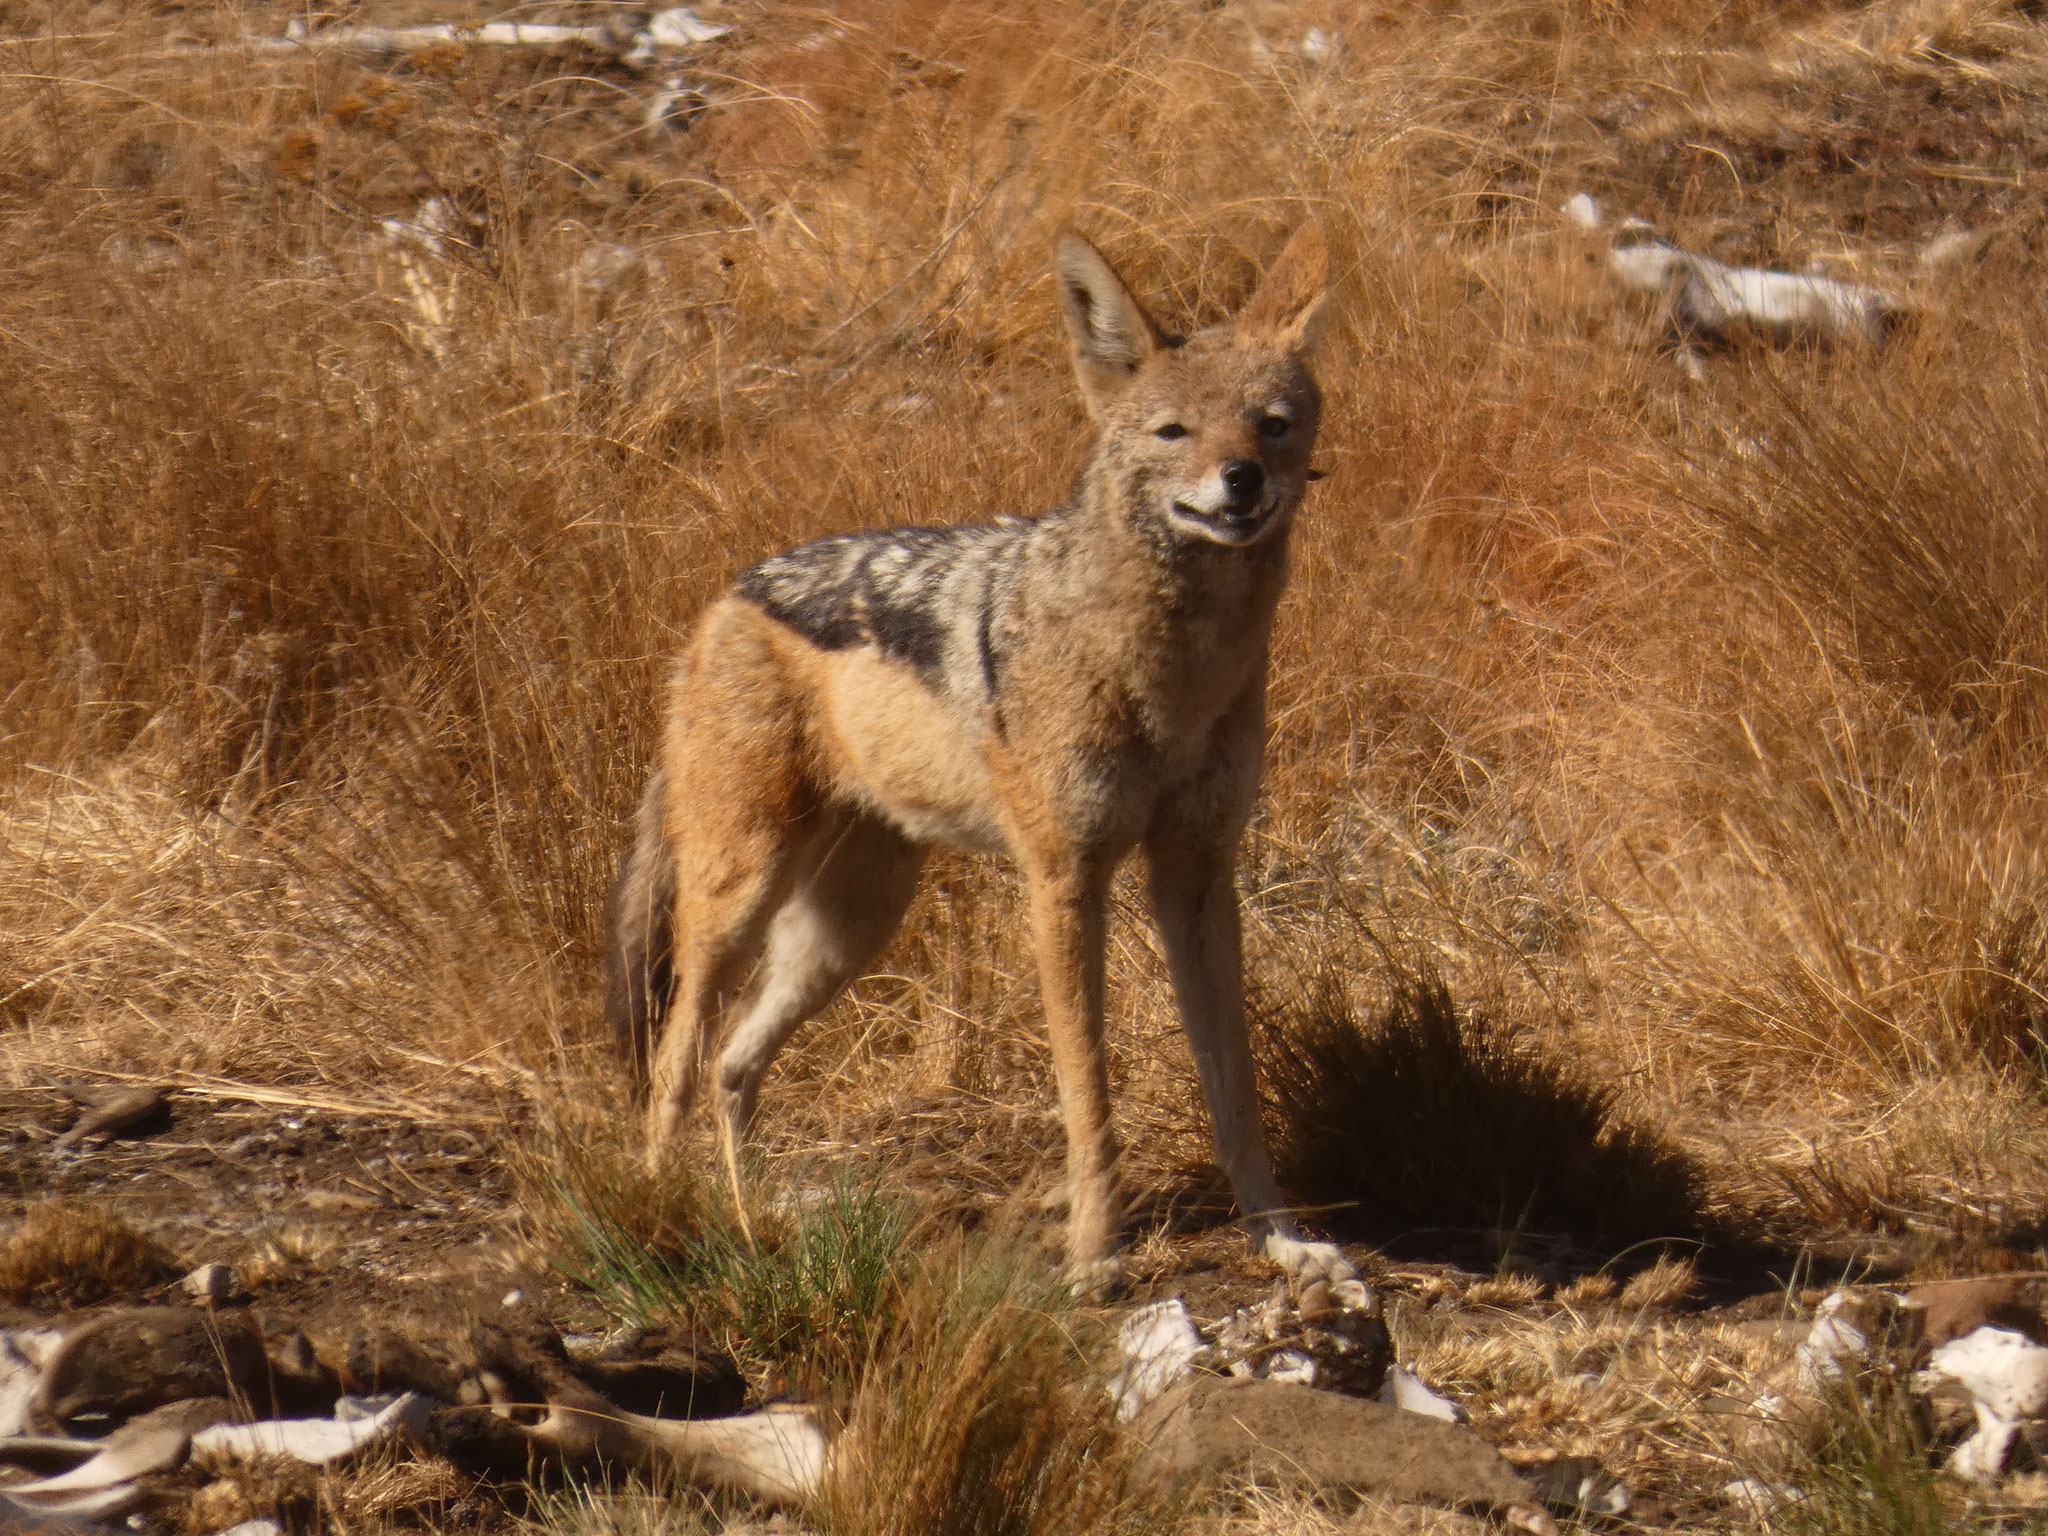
{"x": 1147, "y": 597}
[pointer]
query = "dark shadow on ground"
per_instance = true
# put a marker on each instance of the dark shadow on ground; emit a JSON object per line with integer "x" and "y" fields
{"x": 1442, "y": 1133}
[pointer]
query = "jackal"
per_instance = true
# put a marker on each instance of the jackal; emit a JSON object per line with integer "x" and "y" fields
{"x": 1060, "y": 689}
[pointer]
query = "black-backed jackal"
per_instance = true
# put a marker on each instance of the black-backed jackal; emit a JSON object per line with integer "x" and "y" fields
{"x": 1060, "y": 689}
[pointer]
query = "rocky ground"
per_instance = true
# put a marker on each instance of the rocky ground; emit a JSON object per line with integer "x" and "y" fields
{"x": 284, "y": 1254}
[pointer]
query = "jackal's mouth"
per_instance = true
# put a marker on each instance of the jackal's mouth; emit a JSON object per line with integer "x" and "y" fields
{"x": 1230, "y": 523}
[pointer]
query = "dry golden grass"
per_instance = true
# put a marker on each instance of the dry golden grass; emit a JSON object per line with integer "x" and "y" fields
{"x": 65, "y": 1254}
{"x": 1694, "y": 730}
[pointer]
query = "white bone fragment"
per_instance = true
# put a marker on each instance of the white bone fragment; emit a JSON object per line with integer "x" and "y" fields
{"x": 1835, "y": 1343}
{"x": 2006, "y": 1375}
{"x": 675, "y": 27}
{"x": 411, "y": 39}
{"x": 211, "y": 1282}
{"x": 23, "y": 1354}
{"x": 130, "y": 1452}
{"x": 2004, "y": 1371}
{"x": 1320, "y": 46}
{"x": 1712, "y": 298}
{"x": 1291, "y": 1365}
{"x": 1160, "y": 1346}
{"x": 680, "y": 27}
{"x": 1405, "y": 1390}
{"x": 317, "y": 1442}
{"x": 83, "y": 1512}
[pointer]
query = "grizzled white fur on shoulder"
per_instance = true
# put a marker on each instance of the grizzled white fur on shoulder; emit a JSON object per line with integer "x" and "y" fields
{"x": 1061, "y": 689}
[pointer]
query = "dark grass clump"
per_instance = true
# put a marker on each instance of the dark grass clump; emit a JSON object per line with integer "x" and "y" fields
{"x": 69, "y": 1255}
{"x": 801, "y": 1280}
{"x": 1425, "y": 1121}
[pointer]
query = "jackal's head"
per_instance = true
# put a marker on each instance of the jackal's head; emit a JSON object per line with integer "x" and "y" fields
{"x": 1205, "y": 439}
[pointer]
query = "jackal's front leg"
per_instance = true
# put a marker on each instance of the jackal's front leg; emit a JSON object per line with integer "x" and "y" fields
{"x": 1195, "y": 904}
{"x": 1068, "y": 897}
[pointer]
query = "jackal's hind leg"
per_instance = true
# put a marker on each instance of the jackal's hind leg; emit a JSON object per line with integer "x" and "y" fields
{"x": 844, "y": 902}
{"x": 725, "y": 896}
{"x": 1195, "y": 904}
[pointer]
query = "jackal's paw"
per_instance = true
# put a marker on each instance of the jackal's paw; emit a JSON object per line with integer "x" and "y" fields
{"x": 1307, "y": 1262}
{"x": 1096, "y": 1280}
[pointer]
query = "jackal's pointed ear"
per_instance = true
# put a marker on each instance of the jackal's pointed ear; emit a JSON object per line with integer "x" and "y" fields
{"x": 1289, "y": 303}
{"x": 1112, "y": 334}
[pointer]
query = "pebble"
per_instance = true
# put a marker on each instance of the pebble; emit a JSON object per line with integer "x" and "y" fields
{"x": 212, "y": 1282}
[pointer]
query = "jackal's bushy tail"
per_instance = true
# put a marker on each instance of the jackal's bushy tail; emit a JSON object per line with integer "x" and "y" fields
{"x": 640, "y": 949}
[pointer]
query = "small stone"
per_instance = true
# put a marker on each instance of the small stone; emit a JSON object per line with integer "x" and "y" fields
{"x": 1208, "y": 1428}
{"x": 512, "y": 1298}
{"x": 212, "y": 1283}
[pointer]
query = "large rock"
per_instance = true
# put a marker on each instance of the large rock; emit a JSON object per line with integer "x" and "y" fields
{"x": 1300, "y": 1436}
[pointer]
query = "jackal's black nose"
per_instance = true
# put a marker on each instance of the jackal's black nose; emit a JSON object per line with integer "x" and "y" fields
{"x": 1244, "y": 479}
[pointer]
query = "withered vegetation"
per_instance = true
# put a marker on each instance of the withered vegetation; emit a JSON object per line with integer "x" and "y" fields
{"x": 370, "y": 428}
{"x": 66, "y": 1253}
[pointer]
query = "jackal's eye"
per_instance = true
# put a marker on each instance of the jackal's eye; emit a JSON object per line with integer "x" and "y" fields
{"x": 1273, "y": 426}
{"x": 1172, "y": 432}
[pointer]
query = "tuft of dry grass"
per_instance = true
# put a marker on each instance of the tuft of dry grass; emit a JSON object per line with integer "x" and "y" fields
{"x": 976, "y": 1416}
{"x": 65, "y": 1253}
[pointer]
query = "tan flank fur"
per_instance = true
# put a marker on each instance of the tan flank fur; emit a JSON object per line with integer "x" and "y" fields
{"x": 1061, "y": 689}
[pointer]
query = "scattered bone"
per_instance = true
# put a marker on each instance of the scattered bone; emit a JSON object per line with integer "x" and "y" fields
{"x": 116, "y": 1114}
{"x": 1708, "y": 299}
{"x": 1405, "y": 1390}
{"x": 1211, "y": 1427}
{"x": 316, "y": 1442}
{"x": 1848, "y": 1329}
{"x": 779, "y": 1455}
{"x": 2005, "y": 1374}
{"x": 1954, "y": 247}
{"x": 23, "y": 1355}
{"x": 254, "y": 1528}
{"x": 1333, "y": 1338}
{"x": 671, "y": 29}
{"x": 84, "y": 1512}
{"x": 1160, "y": 1347}
{"x": 417, "y": 244}
{"x": 212, "y": 1283}
{"x": 152, "y": 1442}
{"x": 1758, "y": 1499}
{"x": 666, "y": 31}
